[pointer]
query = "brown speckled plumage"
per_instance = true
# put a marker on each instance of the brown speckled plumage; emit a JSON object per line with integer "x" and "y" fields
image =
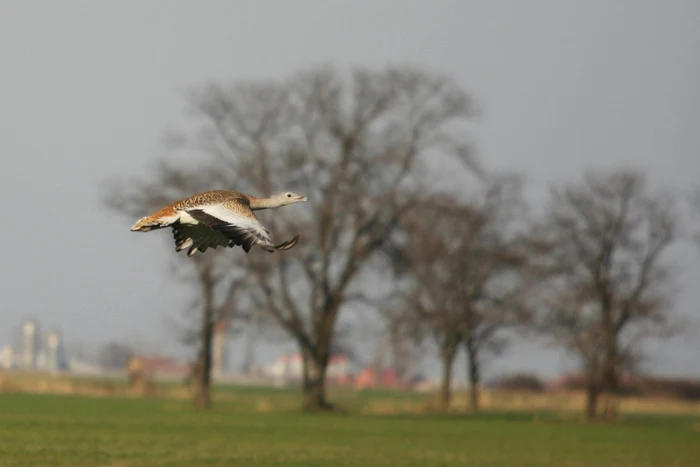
{"x": 211, "y": 197}
{"x": 164, "y": 212}
{"x": 233, "y": 200}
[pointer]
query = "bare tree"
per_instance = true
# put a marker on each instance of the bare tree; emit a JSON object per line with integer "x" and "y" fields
{"x": 217, "y": 280}
{"x": 358, "y": 148}
{"x": 602, "y": 245}
{"x": 488, "y": 267}
{"x": 463, "y": 268}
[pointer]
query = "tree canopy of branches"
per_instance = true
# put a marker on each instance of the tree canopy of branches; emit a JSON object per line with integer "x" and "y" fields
{"x": 461, "y": 269}
{"x": 602, "y": 244}
{"x": 359, "y": 147}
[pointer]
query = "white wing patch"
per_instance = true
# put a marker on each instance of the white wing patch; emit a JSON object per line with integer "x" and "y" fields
{"x": 249, "y": 222}
{"x": 237, "y": 228}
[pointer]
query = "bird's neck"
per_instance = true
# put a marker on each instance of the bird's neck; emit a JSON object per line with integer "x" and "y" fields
{"x": 257, "y": 204}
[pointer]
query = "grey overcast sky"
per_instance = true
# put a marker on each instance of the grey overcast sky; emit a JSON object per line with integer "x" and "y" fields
{"x": 88, "y": 88}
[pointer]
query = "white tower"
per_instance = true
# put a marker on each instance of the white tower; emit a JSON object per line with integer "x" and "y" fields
{"x": 52, "y": 354}
{"x": 7, "y": 357}
{"x": 29, "y": 344}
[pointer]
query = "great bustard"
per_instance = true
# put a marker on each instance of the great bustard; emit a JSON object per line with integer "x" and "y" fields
{"x": 219, "y": 218}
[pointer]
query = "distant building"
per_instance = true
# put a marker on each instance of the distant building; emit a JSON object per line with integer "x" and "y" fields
{"x": 338, "y": 371}
{"x": 156, "y": 366}
{"x": 78, "y": 366}
{"x": 40, "y": 361}
{"x": 54, "y": 352}
{"x": 289, "y": 368}
{"x": 30, "y": 344}
{"x": 7, "y": 357}
{"x": 371, "y": 378}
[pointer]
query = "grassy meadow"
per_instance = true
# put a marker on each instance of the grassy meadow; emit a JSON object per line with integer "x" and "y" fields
{"x": 262, "y": 427}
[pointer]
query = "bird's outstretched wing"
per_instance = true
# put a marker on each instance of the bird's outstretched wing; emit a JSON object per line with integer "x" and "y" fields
{"x": 231, "y": 223}
{"x": 197, "y": 237}
{"x": 239, "y": 227}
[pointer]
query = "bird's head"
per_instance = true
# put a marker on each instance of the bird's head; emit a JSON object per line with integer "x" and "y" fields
{"x": 288, "y": 197}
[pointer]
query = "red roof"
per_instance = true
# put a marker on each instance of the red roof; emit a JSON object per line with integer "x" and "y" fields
{"x": 368, "y": 378}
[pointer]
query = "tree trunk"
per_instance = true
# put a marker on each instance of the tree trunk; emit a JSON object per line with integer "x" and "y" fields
{"x": 448, "y": 357}
{"x": 610, "y": 377}
{"x": 609, "y": 406}
{"x": 474, "y": 376}
{"x": 203, "y": 387}
{"x": 610, "y": 366}
{"x": 202, "y": 396}
{"x": 316, "y": 356}
{"x": 591, "y": 400}
{"x": 314, "y": 384}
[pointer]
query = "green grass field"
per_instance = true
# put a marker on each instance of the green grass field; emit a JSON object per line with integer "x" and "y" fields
{"x": 43, "y": 431}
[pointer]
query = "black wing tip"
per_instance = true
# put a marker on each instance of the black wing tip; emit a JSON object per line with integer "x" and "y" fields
{"x": 288, "y": 244}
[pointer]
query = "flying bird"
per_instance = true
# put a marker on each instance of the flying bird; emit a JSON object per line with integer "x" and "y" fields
{"x": 219, "y": 218}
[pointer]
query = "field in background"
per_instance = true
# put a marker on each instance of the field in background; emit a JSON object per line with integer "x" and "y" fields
{"x": 50, "y": 430}
{"x": 388, "y": 402}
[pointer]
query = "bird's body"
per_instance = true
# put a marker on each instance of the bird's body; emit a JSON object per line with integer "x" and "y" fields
{"x": 218, "y": 218}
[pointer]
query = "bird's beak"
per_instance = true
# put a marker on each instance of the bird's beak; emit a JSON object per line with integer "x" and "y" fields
{"x": 303, "y": 198}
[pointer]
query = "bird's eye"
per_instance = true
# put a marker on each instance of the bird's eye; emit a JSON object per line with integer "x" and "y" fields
{"x": 289, "y": 195}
